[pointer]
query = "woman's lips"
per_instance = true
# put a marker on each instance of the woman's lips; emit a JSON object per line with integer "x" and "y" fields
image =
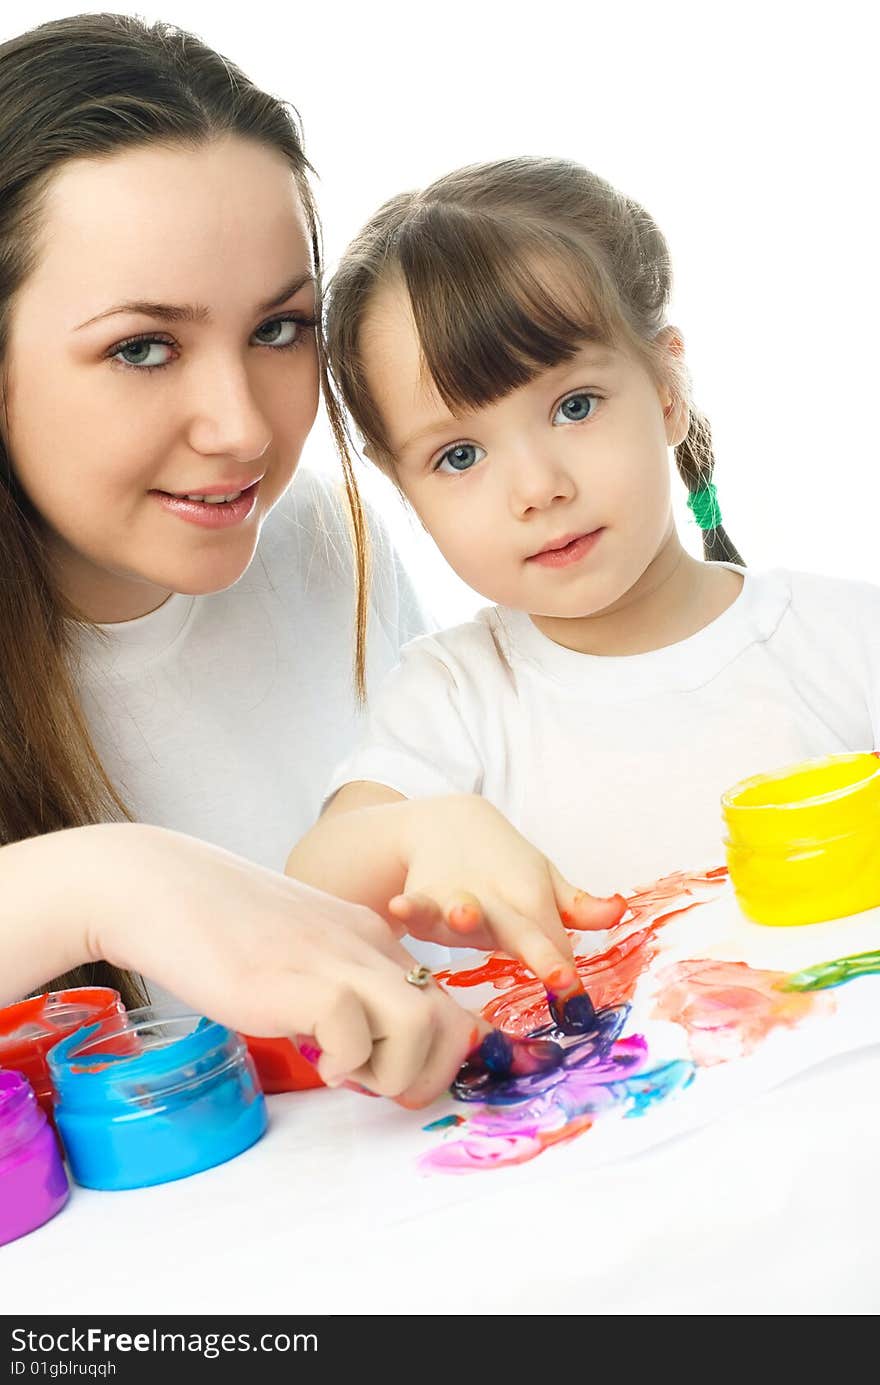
{"x": 210, "y": 515}
{"x": 568, "y": 553}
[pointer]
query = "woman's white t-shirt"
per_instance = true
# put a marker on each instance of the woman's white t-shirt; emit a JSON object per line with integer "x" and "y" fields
{"x": 222, "y": 716}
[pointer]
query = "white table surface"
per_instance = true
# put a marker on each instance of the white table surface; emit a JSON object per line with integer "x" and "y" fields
{"x": 771, "y": 1209}
{"x": 769, "y": 1206}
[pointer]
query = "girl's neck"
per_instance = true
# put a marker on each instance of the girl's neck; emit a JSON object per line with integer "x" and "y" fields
{"x": 675, "y": 597}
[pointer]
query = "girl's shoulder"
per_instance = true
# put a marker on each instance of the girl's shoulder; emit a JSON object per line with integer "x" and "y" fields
{"x": 813, "y": 593}
{"x": 476, "y": 650}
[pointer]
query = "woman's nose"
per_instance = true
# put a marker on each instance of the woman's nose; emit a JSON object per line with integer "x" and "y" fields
{"x": 228, "y": 420}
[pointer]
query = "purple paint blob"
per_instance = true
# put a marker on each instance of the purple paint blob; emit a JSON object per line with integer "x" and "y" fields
{"x": 574, "y": 1015}
{"x": 500, "y": 1060}
{"x": 33, "y": 1182}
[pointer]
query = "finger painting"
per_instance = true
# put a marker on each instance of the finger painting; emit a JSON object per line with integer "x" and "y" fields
{"x": 692, "y": 1009}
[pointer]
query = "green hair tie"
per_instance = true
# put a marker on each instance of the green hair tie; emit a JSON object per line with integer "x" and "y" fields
{"x": 703, "y": 505}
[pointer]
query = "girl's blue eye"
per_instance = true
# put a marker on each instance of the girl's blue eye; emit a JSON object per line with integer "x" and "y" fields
{"x": 462, "y": 457}
{"x": 575, "y": 408}
{"x": 145, "y": 353}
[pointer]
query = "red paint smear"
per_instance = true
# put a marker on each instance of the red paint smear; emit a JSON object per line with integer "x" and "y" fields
{"x": 727, "y": 1008}
{"x": 610, "y": 977}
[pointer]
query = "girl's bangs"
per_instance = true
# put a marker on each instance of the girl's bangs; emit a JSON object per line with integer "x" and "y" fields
{"x": 496, "y": 301}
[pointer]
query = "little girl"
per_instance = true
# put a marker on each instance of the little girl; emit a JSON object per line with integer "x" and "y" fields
{"x": 501, "y": 343}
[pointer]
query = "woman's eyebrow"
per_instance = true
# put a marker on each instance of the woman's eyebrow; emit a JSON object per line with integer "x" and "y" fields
{"x": 193, "y": 312}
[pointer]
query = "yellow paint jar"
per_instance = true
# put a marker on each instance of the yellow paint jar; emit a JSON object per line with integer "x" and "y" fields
{"x": 803, "y": 843}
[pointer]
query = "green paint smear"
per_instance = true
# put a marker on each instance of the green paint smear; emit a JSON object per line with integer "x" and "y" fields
{"x": 827, "y": 974}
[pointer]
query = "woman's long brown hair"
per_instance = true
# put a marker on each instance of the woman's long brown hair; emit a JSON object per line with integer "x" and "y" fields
{"x": 87, "y": 87}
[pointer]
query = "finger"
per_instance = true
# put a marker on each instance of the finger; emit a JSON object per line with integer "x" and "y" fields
{"x": 578, "y": 909}
{"x": 420, "y": 914}
{"x": 327, "y": 1013}
{"x": 541, "y": 942}
{"x": 464, "y": 913}
{"x": 421, "y": 917}
{"x": 457, "y": 1035}
{"x": 402, "y": 1021}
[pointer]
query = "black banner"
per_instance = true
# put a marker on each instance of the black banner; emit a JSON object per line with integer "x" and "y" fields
{"x": 133, "y": 1349}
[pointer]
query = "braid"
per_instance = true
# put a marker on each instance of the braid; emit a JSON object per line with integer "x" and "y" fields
{"x": 695, "y": 460}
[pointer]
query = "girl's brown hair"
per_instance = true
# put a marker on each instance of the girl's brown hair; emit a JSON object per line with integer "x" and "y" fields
{"x": 509, "y": 268}
{"x": 78, "y": 88}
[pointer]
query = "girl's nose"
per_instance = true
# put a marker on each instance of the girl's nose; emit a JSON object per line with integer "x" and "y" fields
{"x": 539, "y": 481}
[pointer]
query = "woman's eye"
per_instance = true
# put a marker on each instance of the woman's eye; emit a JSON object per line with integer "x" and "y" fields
{"x": 281, "y": 331}
{"x": 146, "y": 353}
{"x": 462, "y": 457}
{"x": 576, "y": 408}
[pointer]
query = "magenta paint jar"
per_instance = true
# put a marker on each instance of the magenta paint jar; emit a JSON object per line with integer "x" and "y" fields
{"x": 33, "y": 1181}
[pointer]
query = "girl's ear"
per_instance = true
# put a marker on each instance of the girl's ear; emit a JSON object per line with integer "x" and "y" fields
{"x": 673, "y": 398}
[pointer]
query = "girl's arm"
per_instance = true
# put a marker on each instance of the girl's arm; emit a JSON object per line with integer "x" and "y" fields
{"x": 451, "y": 869}
{"x": 256, "y": 951}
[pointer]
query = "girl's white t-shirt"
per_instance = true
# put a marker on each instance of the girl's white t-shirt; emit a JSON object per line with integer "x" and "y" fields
{"x": 615, "y": 766}
{"x": 222, "y": 716}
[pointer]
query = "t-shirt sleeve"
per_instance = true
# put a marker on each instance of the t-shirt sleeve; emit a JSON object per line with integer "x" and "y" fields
{"x": 415, "y": 740}
{"x": 858, "y": 616}
{"x": 842, "y": 621}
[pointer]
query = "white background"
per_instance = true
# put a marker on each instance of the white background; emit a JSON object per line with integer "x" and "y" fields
{"x": 749, "y": 134}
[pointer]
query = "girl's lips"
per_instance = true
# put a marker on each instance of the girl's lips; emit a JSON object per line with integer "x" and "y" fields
{"x": 210, "y": 516}
{"x": 572, "y": 552}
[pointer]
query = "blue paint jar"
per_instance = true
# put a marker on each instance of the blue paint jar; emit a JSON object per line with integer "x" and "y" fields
{"x": 161, "y": 1096}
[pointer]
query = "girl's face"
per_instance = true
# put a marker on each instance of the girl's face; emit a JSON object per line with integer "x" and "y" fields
{"x": 162, "y": 347}
{"x": 555, "y": 499}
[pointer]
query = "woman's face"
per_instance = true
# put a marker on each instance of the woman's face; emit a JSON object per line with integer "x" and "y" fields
{"x": 162, "y": 347}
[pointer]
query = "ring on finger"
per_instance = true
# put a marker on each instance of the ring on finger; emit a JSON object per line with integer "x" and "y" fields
{"x": 418, "y": 975}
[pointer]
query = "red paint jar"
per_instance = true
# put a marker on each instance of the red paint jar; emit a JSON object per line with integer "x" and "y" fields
{"x": 29, "y": 1028}
{"x": 280, "y": 1065}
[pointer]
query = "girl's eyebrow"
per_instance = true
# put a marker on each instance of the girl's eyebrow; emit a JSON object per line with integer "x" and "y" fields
{"x": 437, "y": 429}
{"x": 590, "y": 357}
{"x": 193, "y": 312}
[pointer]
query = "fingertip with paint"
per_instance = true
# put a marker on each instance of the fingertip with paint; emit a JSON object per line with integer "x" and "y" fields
{"x": 464, "y": 918}
{"x": 620, "y": 904}
{"x": 573, "y": 1014}
{"x": 308, "y": 1048}
{"x": 563, "y": 980}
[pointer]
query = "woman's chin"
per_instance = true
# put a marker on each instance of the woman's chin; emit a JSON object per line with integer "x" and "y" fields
{"x": 207, "y": 575}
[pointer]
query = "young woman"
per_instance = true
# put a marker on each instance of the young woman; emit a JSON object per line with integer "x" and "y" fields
{"x": 176, "y": 629}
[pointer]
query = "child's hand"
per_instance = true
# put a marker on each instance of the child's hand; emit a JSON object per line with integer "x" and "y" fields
{"x": 472, "y": 879}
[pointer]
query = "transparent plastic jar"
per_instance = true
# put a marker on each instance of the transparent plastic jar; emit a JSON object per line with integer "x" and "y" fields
{"x": 33, "y": 1182}
{"x": 164, "y": 1096}
{"x": 29, "y": 1028}
{"x": 803, "y": 843}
